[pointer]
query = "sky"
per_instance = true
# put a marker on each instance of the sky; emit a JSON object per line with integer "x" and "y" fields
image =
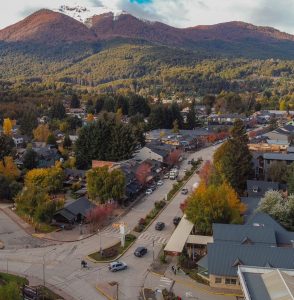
{"x": 178, "y": 13}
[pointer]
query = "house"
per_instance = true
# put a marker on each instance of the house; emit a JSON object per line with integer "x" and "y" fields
{"x": 154, "y": 151}
{"x": 73, "y": 176}
{"x": 281, "y": 134}
{"x": 261, "y": 242}
{"x": 256, "y": 188}
{"x": 74, "y": 211}
{"x": 266, "y": 283}
{"x": 47, "y": 156}
{"x": 226, "y": 119}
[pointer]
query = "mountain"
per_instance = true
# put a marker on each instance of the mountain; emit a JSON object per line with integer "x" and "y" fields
{"x": 46, "y": 26}
{"x": 93, "y": 47}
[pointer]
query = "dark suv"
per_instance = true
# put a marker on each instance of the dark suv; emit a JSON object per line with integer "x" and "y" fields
{"x": 176, "y": 220}
{"x": 140, "y": 251}
{"x": 159, "y": 226}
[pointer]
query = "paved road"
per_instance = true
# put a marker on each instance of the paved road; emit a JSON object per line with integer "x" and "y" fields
{"x": 62, "y": 262}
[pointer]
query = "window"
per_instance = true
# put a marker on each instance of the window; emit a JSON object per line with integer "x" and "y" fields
{"x": 231, "y": 281}
{"x": 218, "y": 280}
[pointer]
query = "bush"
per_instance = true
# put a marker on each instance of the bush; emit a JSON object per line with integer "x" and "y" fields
{"x": 130, "y": 238}
{"x": 159, "y": 204}
{"x": 139, "y": 228}
{"x": 76, "y": 186}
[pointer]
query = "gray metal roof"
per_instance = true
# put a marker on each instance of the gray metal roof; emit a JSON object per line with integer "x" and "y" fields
{"x": 256, "y": 286}
{"x": 290, "y": 149}
{"x": 251, "y": 205}
{"x": 242, "y": 234}
{"x": 279, "y": 156}
{"x": 264, "y": 220}
{"x": 222, "y": 257}
{"x": 256, "y": 188}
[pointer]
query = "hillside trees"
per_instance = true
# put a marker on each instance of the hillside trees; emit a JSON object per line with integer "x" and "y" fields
{"x": 104, "y": 184}
{"x": 105, "y": 139}
{"x": 233, "y": 160}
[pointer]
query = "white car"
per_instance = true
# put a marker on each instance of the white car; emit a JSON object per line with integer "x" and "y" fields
{"x": 117, "y": 266}
{"x": 160, "y": 182}
{"x": 148, "y": 192}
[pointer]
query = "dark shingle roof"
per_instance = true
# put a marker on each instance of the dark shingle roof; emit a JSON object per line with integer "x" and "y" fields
{"x": 222, "y": 257}
{"x": 279, "y": 156}
{"x": 238, "y": 234}
{"x": 256, "y": 188}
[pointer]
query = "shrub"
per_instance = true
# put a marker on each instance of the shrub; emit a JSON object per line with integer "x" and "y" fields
{"x": 142, "y": 221}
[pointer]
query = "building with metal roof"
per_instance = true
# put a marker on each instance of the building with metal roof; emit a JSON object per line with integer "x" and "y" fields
{"x": 261, "y": 242}
{"x": 258, "y": 188}
{"x": 266, "y": 283}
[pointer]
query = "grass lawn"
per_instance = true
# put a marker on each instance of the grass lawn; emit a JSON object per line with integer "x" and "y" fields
{"x": 114, "y": 251}
{"x": 7, "y": 278}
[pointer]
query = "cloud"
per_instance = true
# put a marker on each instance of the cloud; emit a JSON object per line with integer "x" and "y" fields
{"x": 179, "y": 13}
{"x": 277, "y": 13}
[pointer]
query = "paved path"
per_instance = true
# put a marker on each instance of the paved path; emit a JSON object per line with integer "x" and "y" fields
{"x": 62, "y": 262}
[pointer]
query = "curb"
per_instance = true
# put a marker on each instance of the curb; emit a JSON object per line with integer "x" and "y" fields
{"x": 103, "y": 293}
{"x": 112, "y": 260}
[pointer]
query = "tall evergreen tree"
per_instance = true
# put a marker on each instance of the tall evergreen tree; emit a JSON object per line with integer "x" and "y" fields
{"x": 105, "y": 139}
{"x": 75, "y": 102}
{"x": 57, "y": 110}
{"x": 191, "y": 117}
{"x": 233, "y": 159}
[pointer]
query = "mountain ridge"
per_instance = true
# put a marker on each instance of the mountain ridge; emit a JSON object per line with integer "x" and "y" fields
{"x": 52, "y": 27}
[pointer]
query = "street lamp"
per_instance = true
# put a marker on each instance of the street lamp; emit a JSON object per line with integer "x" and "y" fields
{"x": 114, "y": 283}
{"x": 100, "y": 244}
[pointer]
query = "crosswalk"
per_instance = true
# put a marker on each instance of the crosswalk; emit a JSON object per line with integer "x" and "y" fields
{"x": 165, "y": 283}
{"x": 152, "y": 237}
{"x": 145, "y": 236}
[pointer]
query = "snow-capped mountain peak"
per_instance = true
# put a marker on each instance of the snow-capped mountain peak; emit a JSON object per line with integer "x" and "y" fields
{"x": 84, "y": 14}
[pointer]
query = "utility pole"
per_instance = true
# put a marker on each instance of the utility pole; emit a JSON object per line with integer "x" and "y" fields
{"x": 44, "y": 277}
{"x": 153, "y": 249}
{"x": 117, "y": 284}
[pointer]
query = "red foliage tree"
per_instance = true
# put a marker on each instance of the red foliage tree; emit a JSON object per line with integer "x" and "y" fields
{"x": 97, "y": 216}
{"x": 206, "y": 172}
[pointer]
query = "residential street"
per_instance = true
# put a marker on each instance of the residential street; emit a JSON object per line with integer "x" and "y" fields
{"x": 62, "y": 262}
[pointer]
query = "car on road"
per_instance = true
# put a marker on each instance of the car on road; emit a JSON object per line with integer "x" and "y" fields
{"x": 177, "y": 220}
{"x": 140, "y": 251}
{"x": 184, "y": 191}
{"x": 148, "y": 192}
{"x": 117, "y": 266}
{"x": 159, "y": 226}
{"x": 160, "y": 182}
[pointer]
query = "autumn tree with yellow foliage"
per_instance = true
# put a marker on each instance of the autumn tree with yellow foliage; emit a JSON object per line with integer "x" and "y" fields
{"x": 41, "y": 133}
{"x": 8, "y": 168}
{"x": 50, "y": 179}
{"x": 213, "y": 204}
{"x": 7, "y": 126}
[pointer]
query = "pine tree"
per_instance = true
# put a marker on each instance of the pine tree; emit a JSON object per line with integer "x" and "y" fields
{"x": 233, "y": 159}
{"x": 75, "y": 102}
{"x": 191, "y": 117}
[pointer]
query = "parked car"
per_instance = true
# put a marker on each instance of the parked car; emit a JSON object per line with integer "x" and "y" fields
{"x": 148, "y": 192}
{"x": 140, "y": 251}
{"x": 152, "y": 187}
{"x": 177, "y": 220}
{"x": 166, "y": 175}
{"x": 160, "y": 182}
{"x": 117, "y": 266}
{"x": 184, "y": 191}
{"x": 159, "y": 226}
